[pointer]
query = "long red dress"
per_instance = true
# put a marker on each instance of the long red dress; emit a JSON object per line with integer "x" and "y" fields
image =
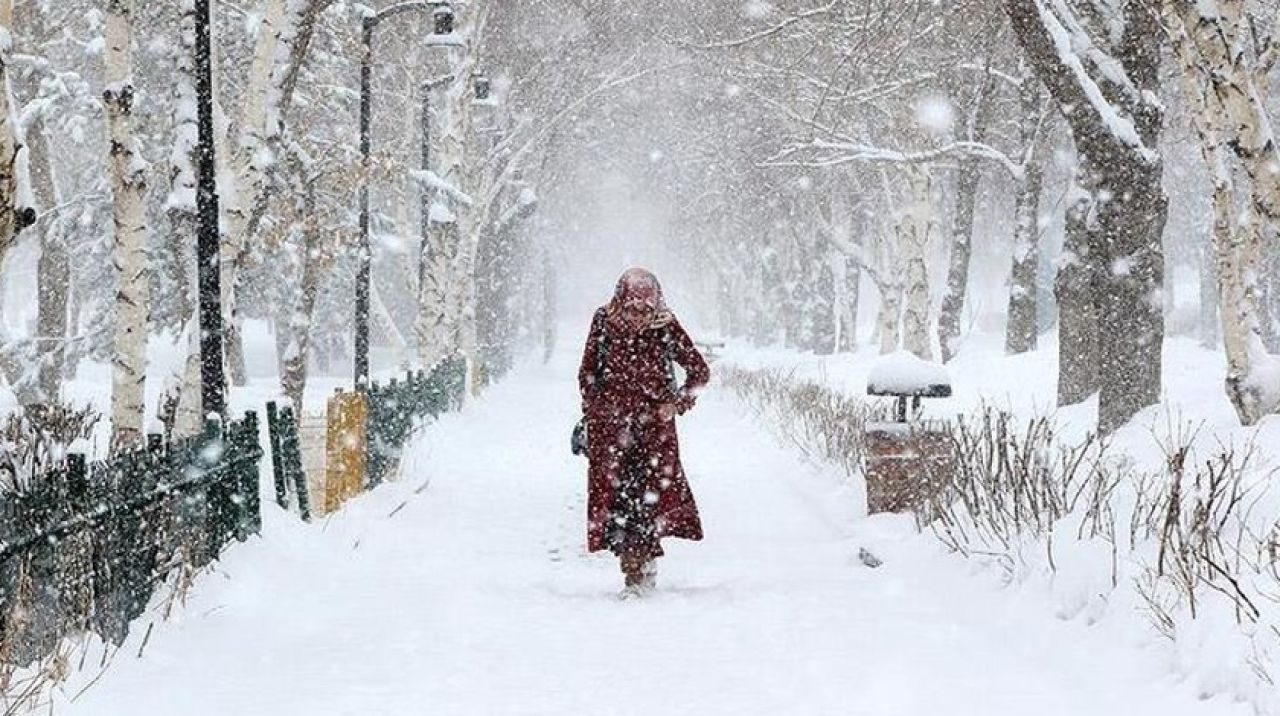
{"x": 623, "y": 379}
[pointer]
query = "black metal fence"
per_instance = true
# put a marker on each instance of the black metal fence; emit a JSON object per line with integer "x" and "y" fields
{"x": 85, "y": 547}
{"x": 397, "y": 405}
{"x": 393, "y": 410}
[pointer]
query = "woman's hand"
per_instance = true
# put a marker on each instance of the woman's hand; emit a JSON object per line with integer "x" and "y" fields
{"x": 667, "y": 411}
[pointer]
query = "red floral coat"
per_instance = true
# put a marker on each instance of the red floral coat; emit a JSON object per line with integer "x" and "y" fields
{"x": 623, "y": 379}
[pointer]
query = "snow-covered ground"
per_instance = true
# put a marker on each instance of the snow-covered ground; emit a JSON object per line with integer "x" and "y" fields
{"x": 464, "y": 589}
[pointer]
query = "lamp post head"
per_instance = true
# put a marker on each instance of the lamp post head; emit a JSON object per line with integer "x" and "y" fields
{"x": 443, "y": 16}
{"x": 483, "y": 87}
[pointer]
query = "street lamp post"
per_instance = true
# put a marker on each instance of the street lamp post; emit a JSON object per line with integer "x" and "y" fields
{"x": 208, "y": 269}
{"x": 442, "y": 16}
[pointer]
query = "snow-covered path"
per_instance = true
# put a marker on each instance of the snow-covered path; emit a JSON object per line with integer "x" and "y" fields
{"x": 475, "y": 597}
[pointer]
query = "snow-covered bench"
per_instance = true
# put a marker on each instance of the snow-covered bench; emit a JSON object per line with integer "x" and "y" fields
{"x": 904, "y": 376}
{"x": 908, "y": 461}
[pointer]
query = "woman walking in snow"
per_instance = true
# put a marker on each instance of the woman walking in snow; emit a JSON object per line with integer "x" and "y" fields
{"x": 637, "y": 491}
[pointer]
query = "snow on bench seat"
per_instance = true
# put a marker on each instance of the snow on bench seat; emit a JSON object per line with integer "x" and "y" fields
{"x": 904, "y": 374}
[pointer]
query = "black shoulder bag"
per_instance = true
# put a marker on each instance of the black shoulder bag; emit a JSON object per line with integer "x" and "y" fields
{"x": 578, "y": 441}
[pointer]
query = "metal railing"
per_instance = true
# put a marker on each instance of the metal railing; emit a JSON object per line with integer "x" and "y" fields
{"x": 85, "y": 547}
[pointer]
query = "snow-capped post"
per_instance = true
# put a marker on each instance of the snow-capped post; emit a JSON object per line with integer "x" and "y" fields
{"x": 442, "y": 14}
{"x": 909, "y": 460}
{"x": 212, "y": 378}
{"x": 128, "y": 188}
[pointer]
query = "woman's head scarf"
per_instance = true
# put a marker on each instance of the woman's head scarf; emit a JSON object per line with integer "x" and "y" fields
{"x": 638, "y": 286}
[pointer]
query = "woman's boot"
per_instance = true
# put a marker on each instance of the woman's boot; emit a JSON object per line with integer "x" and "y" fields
{"x": 649, "y": 575}
{"x": 633, "y": 574}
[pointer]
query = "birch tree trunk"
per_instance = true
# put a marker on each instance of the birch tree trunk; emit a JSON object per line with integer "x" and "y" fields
{"x": 1222, "y": 85}
{"x": 251, "y": 162}
{"x": 914, "y": 242}
{"x": 888, "y": 278}
{"x": 279, "y": 53}
{"x": 183, "y": 219}
{"x": 446, "y": 308}
{"x": 128, "y": 185}
{"x": 12, "y": 216}
{"x": 888, "y": 318}
{"x": 850, "y": 279}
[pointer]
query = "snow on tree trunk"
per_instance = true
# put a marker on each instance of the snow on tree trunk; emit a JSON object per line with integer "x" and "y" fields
{"x": 1229, "y": 115}
{"x": 181, "y": 208}
{"x": 1106, "y": 83}
{"x": 446, "y": 309}
{"x": 15, "y": 211}
{"x": 251, "y": 162}
{"x": 887, "y": 277}
{"x": 128, "y": 183}
{"x": 913, "y": 234}
{"x": 1021, "y": 329}
{"x": 284, "y": 38}
{"x": 293, "y": 379}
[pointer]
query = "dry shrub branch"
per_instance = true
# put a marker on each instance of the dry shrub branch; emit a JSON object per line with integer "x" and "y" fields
{"x": 1193, "y": 536}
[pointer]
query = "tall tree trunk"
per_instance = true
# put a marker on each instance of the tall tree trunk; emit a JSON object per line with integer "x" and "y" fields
{"x": 281, "y": 48}
{"x": 968, "y": 176}
{"x": 183, "y": 218}
{"x": 53, "y": 272}
{"x": 1131, "y": 320}
{"x": 914, "y": 242}
{"x": 1220, "y": 83}
{"x": 250, "y": 164}
{"x": 1109, "y": 99}
{"x": 129, "y": 189}
{"x": 1077, "y": 319}
{"x": 449, "y": 324}
{"x": 293, "y": 379}
{"x": 1021, "y": 328}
